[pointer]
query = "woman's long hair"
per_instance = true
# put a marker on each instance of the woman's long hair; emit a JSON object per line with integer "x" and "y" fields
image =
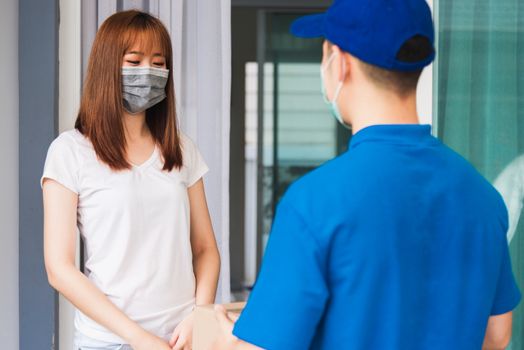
{"x": 101, "y": 108}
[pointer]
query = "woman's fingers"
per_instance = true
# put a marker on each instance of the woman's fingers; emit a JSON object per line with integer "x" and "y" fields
{"x": 174, "y": 338}
{"x": 182, "y": 344}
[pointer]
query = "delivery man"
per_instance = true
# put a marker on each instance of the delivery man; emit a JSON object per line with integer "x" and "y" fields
{"x": 396, "y": 244}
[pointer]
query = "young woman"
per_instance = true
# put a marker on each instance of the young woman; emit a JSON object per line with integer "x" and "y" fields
{"x": 131, "y": 184}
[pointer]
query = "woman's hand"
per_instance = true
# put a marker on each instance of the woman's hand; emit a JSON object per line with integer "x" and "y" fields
{"x": 148, "y": 341}
{"x": 182, "y": 338}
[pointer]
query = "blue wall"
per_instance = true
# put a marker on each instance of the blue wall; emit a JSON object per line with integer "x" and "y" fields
{"x": 38, "y": 93}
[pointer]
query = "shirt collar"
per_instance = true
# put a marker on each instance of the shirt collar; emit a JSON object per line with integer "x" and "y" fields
{"x": 394, "y": 133}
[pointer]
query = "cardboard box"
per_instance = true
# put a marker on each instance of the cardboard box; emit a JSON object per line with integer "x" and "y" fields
{"x": 206, "y": 328}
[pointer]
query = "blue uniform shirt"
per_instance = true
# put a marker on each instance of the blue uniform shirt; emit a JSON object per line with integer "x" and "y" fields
{"x": 396, "y": 244}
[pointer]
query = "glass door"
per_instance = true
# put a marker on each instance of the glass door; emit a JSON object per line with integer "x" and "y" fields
{"x": 299, "y": 132}
{"x": 480, "y": 104}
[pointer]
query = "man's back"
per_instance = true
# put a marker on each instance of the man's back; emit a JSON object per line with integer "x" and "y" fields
{"x": 397, "y": 244}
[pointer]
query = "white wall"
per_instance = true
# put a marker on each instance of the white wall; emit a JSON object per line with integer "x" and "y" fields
{"x": 9, "y": 175}
{"x": 70, "y": 58}
{"x": 425, "y": 88}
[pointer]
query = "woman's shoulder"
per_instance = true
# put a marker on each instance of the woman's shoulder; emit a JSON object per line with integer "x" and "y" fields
{"x": 65, "y": 140}
{"x": 187, "y": 144}
{"x": 184, "y": 139}
{"x": 70, "y": 142}
{"x": 70, "y": 138}
{"x": 193, "y": 160}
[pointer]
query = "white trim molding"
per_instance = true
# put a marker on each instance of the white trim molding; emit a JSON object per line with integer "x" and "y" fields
{"x": 425, "y": 90}
{"x": 70, "y": 84}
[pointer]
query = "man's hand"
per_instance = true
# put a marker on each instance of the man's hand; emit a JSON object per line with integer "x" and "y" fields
{"x": 182, "y": 338}
{"x": 226, "y": 340}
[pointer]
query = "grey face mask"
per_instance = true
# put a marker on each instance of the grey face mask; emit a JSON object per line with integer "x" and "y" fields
{"x": 143, "y": 87}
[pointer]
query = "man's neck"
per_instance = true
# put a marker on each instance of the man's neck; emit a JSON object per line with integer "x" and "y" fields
{"x": 382, "y": 120}
{"x": 383, "y": 110}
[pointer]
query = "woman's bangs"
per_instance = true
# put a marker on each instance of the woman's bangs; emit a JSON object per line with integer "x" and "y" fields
{"x": 146, "y": 40}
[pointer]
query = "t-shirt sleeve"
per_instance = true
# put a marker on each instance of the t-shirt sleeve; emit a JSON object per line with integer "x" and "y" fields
{"x": 62, "y": 164}
{"x": 507, "y": 293}
{"x": 195, "y": 165}
{"x": 289, "y": 297}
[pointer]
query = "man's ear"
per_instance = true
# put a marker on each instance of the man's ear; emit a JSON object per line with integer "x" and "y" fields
{"x": 325, "y": 51}
{"x": 342, "y": 59}
{"x": 350, "y": 65}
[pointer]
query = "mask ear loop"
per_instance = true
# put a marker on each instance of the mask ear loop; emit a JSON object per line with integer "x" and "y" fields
{"x": 340, "y": 83}
{"x": 337, "y": 93}
{"x": 322, "y": 75}
{"x": 328, "y": 62}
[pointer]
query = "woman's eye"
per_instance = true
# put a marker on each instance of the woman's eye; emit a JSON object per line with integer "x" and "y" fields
{"x": 160, "y": 64}
{"x": 133, "y": 62}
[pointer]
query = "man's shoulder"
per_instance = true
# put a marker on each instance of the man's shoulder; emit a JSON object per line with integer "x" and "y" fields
{"x": 317, "y": 181}
{"x": 313, "y": 194}
{"x": 474, "y": 188}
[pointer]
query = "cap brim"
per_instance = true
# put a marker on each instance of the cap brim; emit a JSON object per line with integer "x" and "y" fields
{"x": 312, "y": 26}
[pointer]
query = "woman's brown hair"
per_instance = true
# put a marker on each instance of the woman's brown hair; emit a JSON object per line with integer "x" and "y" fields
{"x": 101, "y": 107}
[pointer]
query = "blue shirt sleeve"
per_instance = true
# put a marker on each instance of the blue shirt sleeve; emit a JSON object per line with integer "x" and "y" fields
{"x": 507, "y": 294}
{"x": 290, "y": 294}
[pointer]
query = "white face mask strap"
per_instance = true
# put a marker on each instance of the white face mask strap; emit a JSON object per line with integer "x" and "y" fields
{"x": 328, "y": 62}
{"x": 340, "y": 83}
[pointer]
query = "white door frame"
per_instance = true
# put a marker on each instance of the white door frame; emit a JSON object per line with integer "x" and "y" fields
{"x": 70, "y": 82}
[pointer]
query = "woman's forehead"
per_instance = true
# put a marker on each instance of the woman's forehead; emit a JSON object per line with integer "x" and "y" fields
{"x": 145, "y": 43}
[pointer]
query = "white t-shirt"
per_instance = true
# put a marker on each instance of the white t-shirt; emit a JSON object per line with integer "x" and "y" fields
{"x": 510, "y": 184}
{"x": 135, "y": 225}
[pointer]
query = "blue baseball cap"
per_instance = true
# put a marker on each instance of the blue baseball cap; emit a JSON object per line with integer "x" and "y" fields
{"x": 372, "y": 30}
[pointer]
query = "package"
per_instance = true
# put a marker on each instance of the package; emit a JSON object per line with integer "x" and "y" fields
{"x": 206, "y": 328}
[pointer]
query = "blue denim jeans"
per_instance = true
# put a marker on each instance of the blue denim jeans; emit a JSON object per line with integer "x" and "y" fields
{"x": 85, "y": 343}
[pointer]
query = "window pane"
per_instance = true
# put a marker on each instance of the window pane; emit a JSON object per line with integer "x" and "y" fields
{"x": 480, "y": 100}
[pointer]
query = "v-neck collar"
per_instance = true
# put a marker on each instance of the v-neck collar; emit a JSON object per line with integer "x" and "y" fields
{"x": 147, "y": 162}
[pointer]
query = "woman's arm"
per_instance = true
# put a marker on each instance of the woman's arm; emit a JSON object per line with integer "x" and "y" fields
{"x": 60, "y": 214}
{"x": 206, "y": 259}
{"x": 206, "y": 263}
